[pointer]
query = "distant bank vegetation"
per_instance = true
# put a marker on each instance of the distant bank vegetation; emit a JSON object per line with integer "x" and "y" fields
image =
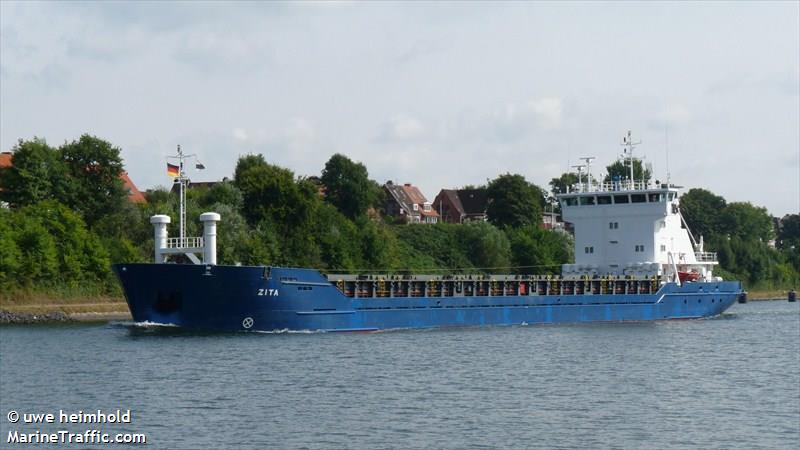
{"x": 67, "y": 219}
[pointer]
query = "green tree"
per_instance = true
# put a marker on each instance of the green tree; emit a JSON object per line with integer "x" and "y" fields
{"x": 347, "y": 185}
{"x": 271, "y": 193}
{"x": 79, "y": 252}
{"x": 379, "y": 247}
{"x": 748, "y": 222}
{"x": 537, "y": 251}
{"x": 95, "y": 188}
{"x": 513, "y": 201}
{"x": 337, "y": 238}
{"x": 226, "y": 193}
{"x": 39, "y": 256}
{"x": 789, "y": 235}
{"x": 157, "y": 196}
{"x": 562, "y": 184}
{"x": 10, "y": 255}
{"x": 426, "y": 246}
{"x": 702, "y": 211}
{"x": 789, "y": 240}
{"x": 621, "y": 170}
{"x": 37, "y": 174}
{"x": 486, "y": 246}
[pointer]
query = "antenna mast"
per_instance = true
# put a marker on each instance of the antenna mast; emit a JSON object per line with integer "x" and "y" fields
{"x": 666, "y": 149}
{"x": 588, "y": 160}
{"x": 183, "y": 180}
{"x": 579, "y": 168}
{"x": 629, "y": 145}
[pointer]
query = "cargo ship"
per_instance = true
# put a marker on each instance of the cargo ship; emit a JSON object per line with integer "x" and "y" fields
{"x": 635, "y": 260}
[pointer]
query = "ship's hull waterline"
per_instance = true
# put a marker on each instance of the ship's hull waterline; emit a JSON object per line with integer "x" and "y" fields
{"x": 239, "y": 298}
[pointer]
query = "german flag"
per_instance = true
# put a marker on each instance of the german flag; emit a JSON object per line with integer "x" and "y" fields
{"x": 173, "y": 170}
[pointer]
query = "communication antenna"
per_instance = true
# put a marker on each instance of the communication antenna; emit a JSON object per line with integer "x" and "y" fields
{"x": 588, "y": 160}
{"x": 628, "y": 146}
{"x": 579, "y": 168}
{"x": 183, "y": 181}
{"x": 666, "y": 148}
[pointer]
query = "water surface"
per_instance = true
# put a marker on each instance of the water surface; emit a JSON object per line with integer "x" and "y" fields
{"x": 729, "y": 382}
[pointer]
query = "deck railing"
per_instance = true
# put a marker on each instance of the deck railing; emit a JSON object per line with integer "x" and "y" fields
{"x": 187, "y": 242}
{"x": 705, "y": 256}
{"x": 612, "y": 186}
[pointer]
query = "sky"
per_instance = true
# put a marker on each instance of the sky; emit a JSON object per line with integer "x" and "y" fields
{"x": 441, "y": 95}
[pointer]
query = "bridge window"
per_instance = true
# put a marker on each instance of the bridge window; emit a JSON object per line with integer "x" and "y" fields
{"x": 638, "y": 198}
{"x": 656, "y": 197}
{"x": 603, "y": 199}
{"x": 621, "y": 199}
{"x": 571, "y": 201}
{"x": 589, "y": 201}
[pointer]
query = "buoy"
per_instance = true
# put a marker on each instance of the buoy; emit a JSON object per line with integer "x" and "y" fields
{"x": 743, "y": 297}
{"x": 792, "y": 297}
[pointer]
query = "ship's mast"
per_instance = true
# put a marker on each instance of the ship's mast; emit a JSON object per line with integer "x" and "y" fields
{"x": 579, "y": 168}
{"x": 588, "y": 160}
{"x": 183, "y": 182}
{"x": 629, "y": 145}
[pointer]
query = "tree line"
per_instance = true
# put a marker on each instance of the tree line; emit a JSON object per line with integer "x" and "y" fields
{"x": 67, "y": 219}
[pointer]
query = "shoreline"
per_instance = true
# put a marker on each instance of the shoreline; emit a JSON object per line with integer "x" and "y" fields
{"x": 30, "y": 318}
{"x": 50, "y": 310}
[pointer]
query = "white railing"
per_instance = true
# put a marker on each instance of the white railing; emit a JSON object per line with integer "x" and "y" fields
{"x": 705, "y": 256}
{"x": 611, "y": 186}
{"x": 187, "y": 242}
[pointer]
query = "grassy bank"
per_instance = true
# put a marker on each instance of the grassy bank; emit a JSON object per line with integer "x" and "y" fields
{"x": 78, "y": 304}
{"x": 767, "y": 294}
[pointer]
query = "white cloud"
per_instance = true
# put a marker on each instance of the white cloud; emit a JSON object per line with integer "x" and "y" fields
{"x": 441, "y": 96}
{"x": 299, "y": 131}
{"x": 223, "y": 51}
{"x": 402, "y": 128}
{"x": 547, "y": 111}
{"x": 240, "y": 134}
{"x": 675, "y": 114}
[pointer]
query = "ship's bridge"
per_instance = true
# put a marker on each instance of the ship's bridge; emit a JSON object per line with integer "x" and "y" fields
{"x": 630, "y": 228}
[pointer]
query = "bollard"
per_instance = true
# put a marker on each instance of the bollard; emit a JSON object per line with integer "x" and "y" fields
{"x": 792, "y": 297}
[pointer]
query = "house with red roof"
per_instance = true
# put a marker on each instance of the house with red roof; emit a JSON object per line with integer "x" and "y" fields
{"x": 461, "y": 205}
{"x": 406, "y": 201}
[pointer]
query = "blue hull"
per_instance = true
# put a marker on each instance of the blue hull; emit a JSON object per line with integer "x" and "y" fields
{"x": 231, "y": 298}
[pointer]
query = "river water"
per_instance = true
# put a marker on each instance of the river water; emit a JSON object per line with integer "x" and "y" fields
{"x": 728, "y": 382}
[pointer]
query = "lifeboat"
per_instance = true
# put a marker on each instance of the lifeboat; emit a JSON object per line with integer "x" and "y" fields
{"x": 688, "y": 276}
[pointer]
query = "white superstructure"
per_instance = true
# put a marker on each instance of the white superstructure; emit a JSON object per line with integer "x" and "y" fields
{"x": 631, "y": 228}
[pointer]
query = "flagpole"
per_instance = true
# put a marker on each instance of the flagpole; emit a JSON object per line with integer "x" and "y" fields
{"x": 182, "y": 181}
